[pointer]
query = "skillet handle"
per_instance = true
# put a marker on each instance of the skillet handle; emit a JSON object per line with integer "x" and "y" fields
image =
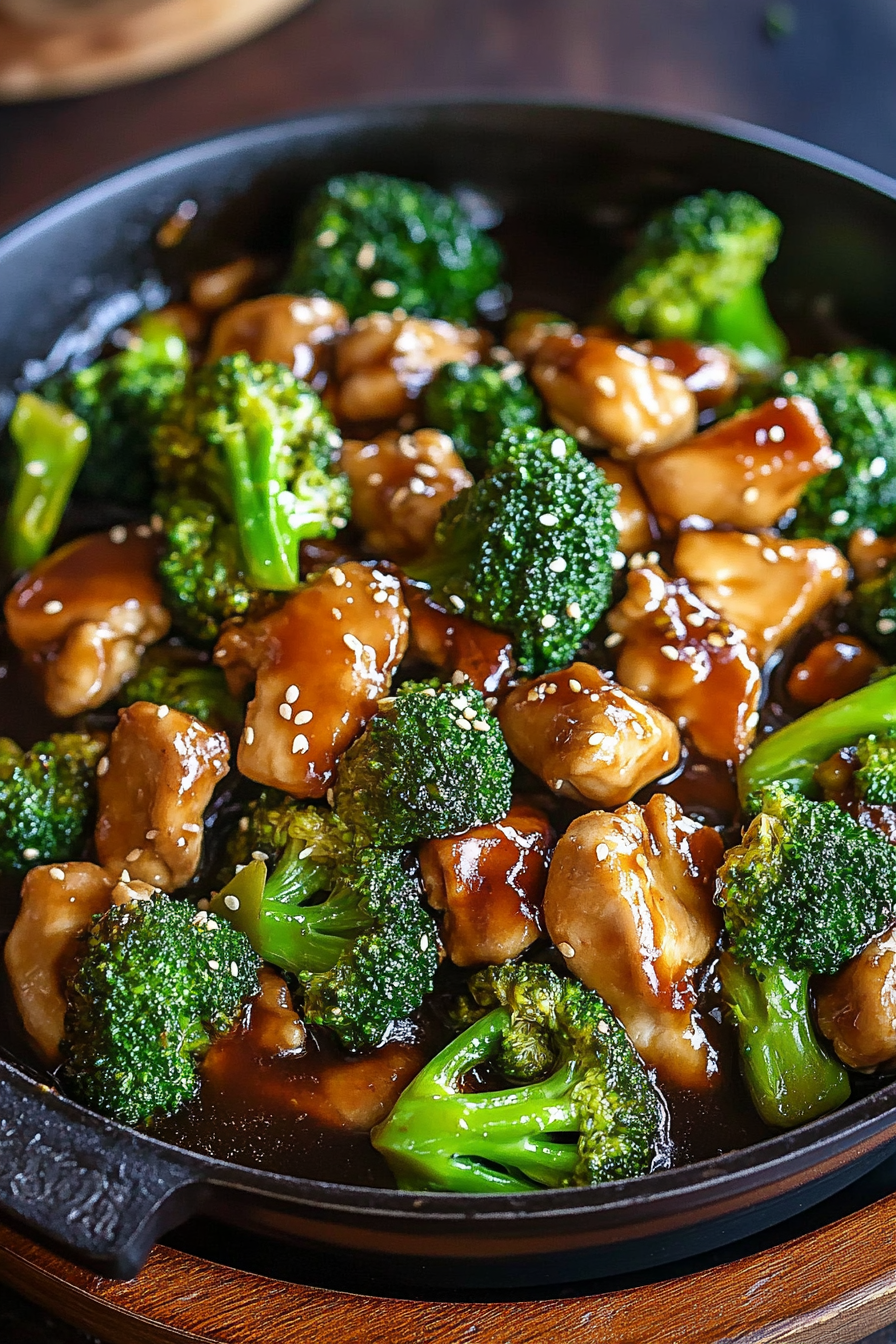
{"x": 101, "y": 1192}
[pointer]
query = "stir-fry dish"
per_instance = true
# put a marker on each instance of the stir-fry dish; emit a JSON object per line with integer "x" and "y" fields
{"x": 469, "y": 761}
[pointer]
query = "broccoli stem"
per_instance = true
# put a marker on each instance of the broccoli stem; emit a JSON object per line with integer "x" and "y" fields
{"x": 747, "y": 327}
{"x": 791, "y": 755}
{"x": 791, "y": 1079}
{"x": 52, "y": 444}
{"x": 268, "y": 542}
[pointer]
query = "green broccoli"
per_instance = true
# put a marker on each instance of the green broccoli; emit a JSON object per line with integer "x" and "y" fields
{"x": 257, "y": 445}
{"x": 476, "y": 404}
{"x": 202, "y": 570}
{"x": 432, "y": 762}
{"x": 875, "y": 777}
{"x": 873, "y": 610}
{"x": 348, "y": 921}
{"x": 376, "y": 243}
{"x": 157, "y": 982}
{"x": 802, "y": 894}
{"x": 121, "y": 400}
{"x": 171, "y": 675}
{"x": 47, "y": 797}
{"x": 695, "y": 273}
{"x": 52, "y": 444}
{"x": 529, "y": 548}
{"x": 792, "y": 755}
{"x": 577, "y": 1108}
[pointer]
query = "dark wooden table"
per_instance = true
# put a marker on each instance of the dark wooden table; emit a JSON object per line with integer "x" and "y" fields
{"x": 820, "y": 69}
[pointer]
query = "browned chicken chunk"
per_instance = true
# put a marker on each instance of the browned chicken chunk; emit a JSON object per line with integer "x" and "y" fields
{"x": 833, "y": 668}
{"x": 705, "y": 370}
{"x": 400, "y": 483}
{"x": 154, "y": 787}
{"x": 632, "y": 511}
{"x": 455, "y": 644}
{"x": 746, "y": 471}
{"x": 608, "y": 395}
{"x": 490, "y": 883}
{"x": 586, "y": 737}
{"x": 85, "y": 615}
{"x": 682, "y": 656}
{"x": 527, "y": 332}
{"x": 629, "y": 906}
{"x": 857, "y": 1006}
{"x": 386, "y": 360}
{"x": 321, "y": 664}
{"x": 870, "y": 554}
{"x": 287, "y": 329}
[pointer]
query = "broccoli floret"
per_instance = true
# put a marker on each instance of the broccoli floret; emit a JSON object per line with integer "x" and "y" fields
{"x": 47, "y": 797}
{"x": 375, "y": 243}
{"x": 121, "y": 400}
{"x": 432, "y": 762}
{"x": 695, "y": 273}
{"x": 873, "y": 611}
{"x": 792, "y": 755}
{"x": 258, "y": 444}
{"x": 577, "y": 1108}
{"x": 529, "y": 548}
{"x": 173, "y": 676}
{"x": 51, "y": 445}
{"x": 156, "y": 984}
{"x": 476, "y": 404}
{"x": 802, "y": 894}
{"x": 875, "y": 778}
{"x": 348, "y": 921}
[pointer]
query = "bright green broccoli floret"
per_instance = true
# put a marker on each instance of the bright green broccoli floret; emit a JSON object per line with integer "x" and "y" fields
{"x": 577, "y": 1106}
{"x": 875, "y": 779}
{"x": 432, "y": 762}
{"x": 802, "y": 894}
{"x": 695, "y": 273}
{"x": 156, "y": 984}
{"x": 376, "y": 243}
{"x": 203, "y": 572}
{"x": 529, "y": 548}
{"x": 348, "y": 921}
{"x": 121, "y": 400}
{"x": 476, "y": 404}
{"x": 173, "y": 676}
{"x": 47, "y": 797}
{"x": 873, "y": 611}
{"x": 51, "y": 445}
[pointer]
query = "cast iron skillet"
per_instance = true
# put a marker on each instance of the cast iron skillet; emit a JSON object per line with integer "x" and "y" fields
{"x": 571, "y": 176}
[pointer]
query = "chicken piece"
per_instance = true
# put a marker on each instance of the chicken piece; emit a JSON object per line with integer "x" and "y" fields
{"x": 527, "y": 332}
{"x": 629, "y": 907}
{"x": 632, "y": 510}
{"x": 586, "y": 737}
{"x": 85, "y": 615}
{"x": 321, "y": 663}
{"x": 767, "y": 586}
{"x": 153, "y": 789}
{"x": 686, "y": 659}
{"x": 386, "y": 360}
{"x": 836, "y": 778}
{"x": 297, "y": 332}
{"x": 456, "y": 646}
{"x": 490, "y": 883}
{"x": 857, "y": 1007}
{"x": 400, "y": 483}
{"x": 705, "y": 370}
{"x": 870, "y": 554}
{"x": 746, "y": 471}
{"x": 277, "y": 1028}
{"x": 832, "y": 669}
{"x": 609, "y": 396}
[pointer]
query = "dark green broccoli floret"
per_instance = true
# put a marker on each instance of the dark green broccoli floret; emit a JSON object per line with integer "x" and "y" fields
{"x": 695, "y": 273}
{"x": 529, "y": 548}
{"x": 376, "y": 243}
{"x": 873, "y": 610}
{"x": 121, "y": 400}
{"x": 476, "y": 404}
{"x": 202, "y": 571}
{"x": 802, "y": 894}
{"x": 577, "y": 1106}
{"x": 875, "y": 778}
{"x": 47, "y": 796}
{"x": 157, "y": 982}
{"x": 173, "y": 676}
{"x": 432, "y": 762}
{"x": 348, "y": 921}
{"x": 51, "y": 445}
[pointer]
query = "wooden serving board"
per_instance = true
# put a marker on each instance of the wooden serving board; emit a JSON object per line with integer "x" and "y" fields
{"x": 833, "y": 1286}
{"x": 58, "y": 54}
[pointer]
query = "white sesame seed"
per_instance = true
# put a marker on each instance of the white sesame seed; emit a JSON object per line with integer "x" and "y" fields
{"x": 58, "y": 874}
{"x": 752, "y": 721}
{"x": 617, "y": 560}
{"x": 291, "y": 694}
{"x": 380, "y": 596}
{"x": 162, "y": 712}
{"x": 456, "y": 601}
{"x": 331, "y": 797}
{"x": 102, "y": 766}
{"x": 557, "y": 565}
{"x": 551, "y": 688}
{"x": 366, "y": 256}
{"x": 232, "y": 902}
{"x": 118, "y": 534}
{"x": 877, "y": 468}
{"x": 602, "y": 852}
{"x": 192, "y": 827}
{"x": 133, "y": 856}
{"x": 533, "y": 696}
{"x": 427, "y": 470}
{"x": 573, "y": 611}
{"x": 53, "y": 607}
{"x": 469, "y": 713}
{"x": 181, "y": 842}
{"x": 424, "y": 942}
{"x": 480, "y": 725}
{"x": 249, "y": 736}
{"x": 338, "y": 577}
{"x": 575, "y": 685}
{"x": 352, "y": 642}
{"x": 259, "y": 856}
{"x": 328, "y": 238}
{"x": 337, "y": 614}
{"x": 566, "y": 949}
{"x": 125, "y": 875}
{"x": 749, "y": 539}
{"x": 30, "y": 854}
{"x": 669, "y": 651}
{"x": 384, "y": 289}
{"x": 886, "y": 625}
{"x": 300, "y": 743}
{"x": 143, "y": 530}
{"x": 242, "y": 825}
{"x": 603, "y": 1028}
{"x": 462, "y": 722}
{"x": 595, "y": 739}
{"x": 839, "y": 517}
{"x": 776, "y": 433}
{"x": 36, "y": 469}
{"x": 306, "y": 852}
{"x": 612, "y": 640}
{"x": 458, "y": 678}
{"x": 214, "y": 966}
{"x": 285, "y": 712}
{"x": 751, "y": 494}
{"x": 558, "y": 447}
{"x": 770, "y": 556}
{"x": 548, "y": 621}
{"x": 548, "y": 520}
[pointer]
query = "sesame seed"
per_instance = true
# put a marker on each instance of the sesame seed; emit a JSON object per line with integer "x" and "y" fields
{"x": 242, "y": 825}
{"x": 303, "y": 716}
{"x": 573, "y": 611}
{"x": 776, "y": 433}
{"x": 291, "y": 694}
{"x": 557, "y": 784}
{"x": 769, "y": 555}
{"x": 162, "y": 712}
{"x": 133, "y": 856}
{"x": 669, "y": 651}
{"x": 191, "y": 827}
{"x": 36, "y": 469}
{"x": 214, "y": 966}
{"x": 424, "y": 942}
{"x": 617, "y": 560}
{"x": 551, "y": 688}
{"x": 603, "y": 1027}
{"x": 232, "y": 902}
{"x": 181, "y": 842}
{"x": 566, "y": 949}
{"x": 480, "y": 725}
{"x": 300, "y": 743}
{"x": 548, "y": 621}
{"x": 612, "y": 640}
{"x": 331, "y": 797}
{"x": 285, "y": 712}
{"x": 462, "y": 722}
{"x": 533, "y": 696}
{"x": 352, "y": 642}
{"x": 366, "y": 256}
{"x": 102, "y": 766}
{"x": 427, "y": 470}
{"x": 717, "y": 641}
{"x": 575, "y": 685}
{"x": 469, "y": 713}
{"x": 548, "y": 520}
{"x": 53, "y": 607}
{"x": 602, "y": 852}
{"x": 118, "y": 534}
{"x": 416, "y": 486}
{"x": 751, "y": 494}
{"x": 380, "y": 596}
{"x": 384, "y": 289}
{"x": 259, "y": 856}
{"x": 557, "y": 565}
{"x": 337, "y": 614}
{"x": 306, "y": 852}
{"x": 58, "y": 874}
{"x": 328, "y": 238}
{"x": 125, "y": 875}
{"x": 456, "y": 601}
{"x": 458, "y": 678}
{"x": 338, "y": 577}
{"x": 839, "y": 517}
{"x": 143, "y": 530}
{"x": 886, "y": 625}
{"x": 558, "y": 447}
{"x": 752, "y": 721}
{"x": 30, "y": 854}
{"x": 595, "y": 739}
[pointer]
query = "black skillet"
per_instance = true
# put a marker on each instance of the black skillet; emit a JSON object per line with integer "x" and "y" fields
{"x": 572, "y": 178}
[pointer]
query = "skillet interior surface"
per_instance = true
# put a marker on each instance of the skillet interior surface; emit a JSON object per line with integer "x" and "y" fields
{"x": 570, "y": 180}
